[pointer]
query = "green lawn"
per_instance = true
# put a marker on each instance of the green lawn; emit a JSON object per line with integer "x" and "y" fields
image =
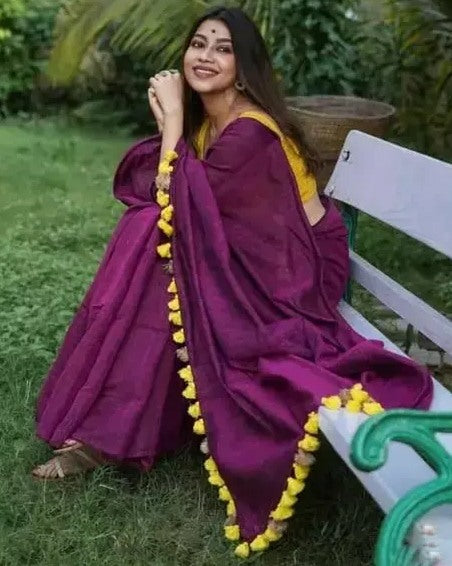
{"x": 56, "y": 216}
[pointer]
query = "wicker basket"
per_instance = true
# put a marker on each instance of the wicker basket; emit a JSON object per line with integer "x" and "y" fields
{"x": 328, "y": 119}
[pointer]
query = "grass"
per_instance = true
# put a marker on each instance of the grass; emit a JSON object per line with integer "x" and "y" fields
{"x": 56, "y": 216}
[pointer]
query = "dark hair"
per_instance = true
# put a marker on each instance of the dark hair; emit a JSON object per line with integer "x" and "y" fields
{"x": 255, "y": 72}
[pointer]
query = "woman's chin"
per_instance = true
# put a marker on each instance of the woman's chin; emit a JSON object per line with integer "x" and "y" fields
{"x": 206, "y": 86}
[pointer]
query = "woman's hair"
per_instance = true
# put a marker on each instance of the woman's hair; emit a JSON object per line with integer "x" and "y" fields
{"x": 255, "y": 72}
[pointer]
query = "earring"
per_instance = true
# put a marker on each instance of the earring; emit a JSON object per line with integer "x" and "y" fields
{"x": 239, "y": 85}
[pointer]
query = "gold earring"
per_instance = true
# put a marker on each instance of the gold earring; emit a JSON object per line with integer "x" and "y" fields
{"x": 239, "y": 86}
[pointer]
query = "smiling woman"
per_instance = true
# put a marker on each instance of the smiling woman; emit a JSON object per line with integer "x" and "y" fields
{"x": 216, "y": 298}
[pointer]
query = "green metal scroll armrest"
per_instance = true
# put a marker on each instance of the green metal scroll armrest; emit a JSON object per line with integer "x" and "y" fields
{"x": 369, "y": 452}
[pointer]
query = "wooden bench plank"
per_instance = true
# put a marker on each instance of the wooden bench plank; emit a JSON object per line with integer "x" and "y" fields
{"x": 411, "y": 308}
{"x": 405, "y": 189}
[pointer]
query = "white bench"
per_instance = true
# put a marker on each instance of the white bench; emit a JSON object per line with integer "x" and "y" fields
{"x": 412, "y": 193}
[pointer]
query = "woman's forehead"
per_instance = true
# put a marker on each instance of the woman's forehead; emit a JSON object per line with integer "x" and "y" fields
{"x": 214, "y": 29}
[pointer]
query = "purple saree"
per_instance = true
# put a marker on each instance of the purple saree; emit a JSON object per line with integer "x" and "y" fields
{"x": 258, "y": 288}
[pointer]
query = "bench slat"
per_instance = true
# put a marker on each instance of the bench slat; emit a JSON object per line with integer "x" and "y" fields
{"x": 421, "y": 315}
{"x": 405, "y": 189}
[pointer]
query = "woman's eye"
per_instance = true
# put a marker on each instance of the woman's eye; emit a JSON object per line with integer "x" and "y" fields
{"x": 196, "y": 44}
{"x": 224, "y": 49}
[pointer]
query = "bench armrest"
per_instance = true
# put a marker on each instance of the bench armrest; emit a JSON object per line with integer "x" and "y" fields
{"x": 369, "y": 452}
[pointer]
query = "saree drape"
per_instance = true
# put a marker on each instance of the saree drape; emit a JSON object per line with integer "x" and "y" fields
{"x": 258, "y": 289}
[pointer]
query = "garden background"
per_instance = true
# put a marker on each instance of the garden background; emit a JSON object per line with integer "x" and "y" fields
{"x": 73, "y": 81}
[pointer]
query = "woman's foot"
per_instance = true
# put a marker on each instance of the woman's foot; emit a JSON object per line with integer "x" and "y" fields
{"x": 73, "y": 458}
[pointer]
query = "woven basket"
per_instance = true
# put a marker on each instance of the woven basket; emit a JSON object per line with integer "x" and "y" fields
{"x": 327, "y": 120}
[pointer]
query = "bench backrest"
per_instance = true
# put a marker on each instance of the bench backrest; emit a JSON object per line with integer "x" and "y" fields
{"x": 412, "y": 193}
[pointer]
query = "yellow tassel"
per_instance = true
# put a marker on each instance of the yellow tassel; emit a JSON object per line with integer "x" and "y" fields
{"x": 190, "y": 392}
{"x": 174, "y": 305}
{"x": 163, "y": 199}
{"x": 215, "y": 479}
{"x": 353, "y": 406}
{"x": 167, "y": 213}
{"x": 179, "y": 337}
{"x": 287, "y": 500}
{"x": 210, "y": 465}
{"x": 309, "y": 443}
{"x": 164, "y": 250}
{"x": 271, "y": 535}
{"x": 301, "y": 472}
{"x": 170, "y": 155}
{"x": 243, "y": 550}
{"x": 194, "y": 411}
{"x": 259, "y": 544}
{"x": 186, "y": 374}
{"x": 357, "y": 394}
{"x": 294, "y": 487}
{"x": 166, "y": 228}
{"x": 224, "y": 494}
{"x": 199, "y": 427}
{"x": 312, "y": 425}
{"x": 175, "y": 318}
{"x": 232, "y": 532}
{"x": 230, "y": 509}
{"x": 165, "y": 168}
{"x": 372, "y": 408}
{"x": 282, "y": 513}
{"x": 172, "y": 287}
{"x": 334, "y": 402}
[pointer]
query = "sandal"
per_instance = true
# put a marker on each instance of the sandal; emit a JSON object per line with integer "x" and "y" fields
{"x": 70, "y": 460}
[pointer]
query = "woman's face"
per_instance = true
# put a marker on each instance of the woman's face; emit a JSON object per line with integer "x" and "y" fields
{"x": 209, "y": 62}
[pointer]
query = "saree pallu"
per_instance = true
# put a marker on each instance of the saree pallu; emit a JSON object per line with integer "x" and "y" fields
{"x": 251, "y": 290}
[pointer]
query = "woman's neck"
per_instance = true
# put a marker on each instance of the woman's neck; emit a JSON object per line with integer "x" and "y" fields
{"x": 223, "y": 108}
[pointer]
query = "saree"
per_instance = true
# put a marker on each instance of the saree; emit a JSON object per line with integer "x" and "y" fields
{"x": 214, "y": 310}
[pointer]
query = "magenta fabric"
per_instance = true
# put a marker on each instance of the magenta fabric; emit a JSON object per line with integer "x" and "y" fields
{"x": 259, "y": 289}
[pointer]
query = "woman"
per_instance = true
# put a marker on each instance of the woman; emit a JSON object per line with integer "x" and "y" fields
{"x": 217, "y": 296}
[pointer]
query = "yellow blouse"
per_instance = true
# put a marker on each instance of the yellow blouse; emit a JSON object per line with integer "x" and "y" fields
{"x": 307, "y": 186}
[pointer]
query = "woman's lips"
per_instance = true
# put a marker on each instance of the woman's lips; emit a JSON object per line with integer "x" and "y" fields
{"x": 204, "y": 73}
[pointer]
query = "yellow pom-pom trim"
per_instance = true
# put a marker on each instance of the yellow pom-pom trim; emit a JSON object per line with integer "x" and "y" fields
{"x": 163, "y": 199}
{"x": 287, "y": 500}
{"x": 167, "y": 213}
{"x": 216, "y": 479}
{"x": 179, "y": 337}
{"x": 174, "y": 304}
{"x": 334, "y": 402}
{"x": 224, "y": 494}
{"x": 230, "y": 509}
{"x": 309, "y": 443}
{"x": 190, "y": 392}
{"x": 170, "y": 155}
{"x": 232, "y": 532}
{"x": 165, "y": 168}
{"x": 186, "y": 374}
{"x": 312, "y": 425}
{"x": 175, "y": 318}
{"x": 210, "y": 465}
{"x": 358, "y": 394}
{"x": 294, "y": 486}
{"x": 301, "y": 472}
{"x": 166, "y": 228}
{"x": 259, "y": 544}
{"x": 271, "y": 535}
{"x": 199, "y": 427}
{"x": 194, "y": 411}
{"x": 172, "y": 288}
{"x": 164, "y": 250}
{"x": 243, "y": 550}
{"x": 353, "y": 406}
{"x": 282, "y": 513}
{"x": 372, "y": 408}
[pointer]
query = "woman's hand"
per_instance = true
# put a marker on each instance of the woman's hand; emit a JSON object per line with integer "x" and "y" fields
{"x": 156, "y": 109}
{"x": 168, "y": 89}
